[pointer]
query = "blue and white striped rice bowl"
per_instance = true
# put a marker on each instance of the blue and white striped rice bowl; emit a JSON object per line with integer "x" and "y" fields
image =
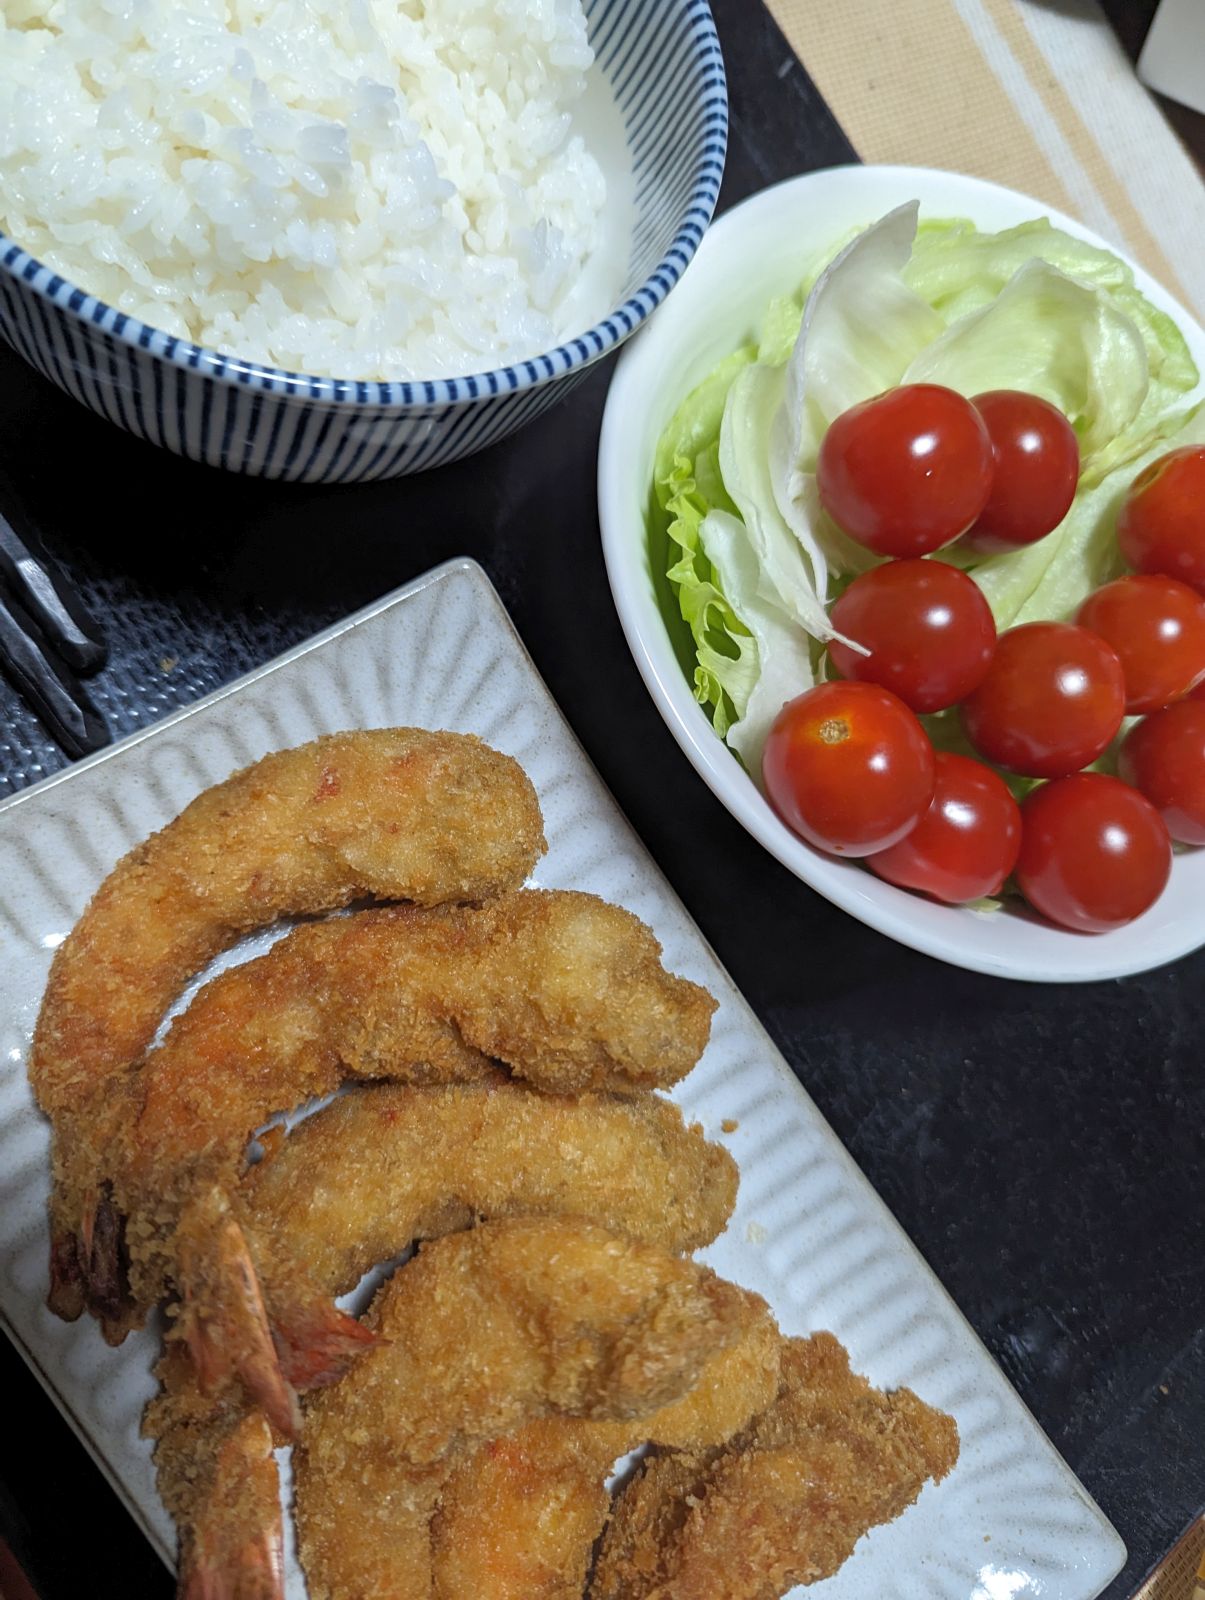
{"x": 660, "y": 132}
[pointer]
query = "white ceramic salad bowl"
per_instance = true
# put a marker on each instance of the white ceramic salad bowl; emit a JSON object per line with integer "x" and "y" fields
{"x": 762, "y": 249}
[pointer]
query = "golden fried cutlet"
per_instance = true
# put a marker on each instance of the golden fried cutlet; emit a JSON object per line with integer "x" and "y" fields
{"x": 787, "y": 1501}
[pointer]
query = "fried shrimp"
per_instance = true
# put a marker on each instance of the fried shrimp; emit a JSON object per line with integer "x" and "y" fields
{"x": 482, "y": 1333}
{"x": 516, "y": 1520}
{"x": 359, "y": 1181}
{"x": 217, "y": 1476}
{"x": 364, "y": 1178}
{"x": 519, "y": 1517}
{"x": 396, "y": 813}
{"x": 787, "y": 1501}
{"x": 565, "y": 989}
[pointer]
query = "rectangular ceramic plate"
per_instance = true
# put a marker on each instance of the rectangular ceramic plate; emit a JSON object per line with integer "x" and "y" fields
{"x": 808, "y": 1233}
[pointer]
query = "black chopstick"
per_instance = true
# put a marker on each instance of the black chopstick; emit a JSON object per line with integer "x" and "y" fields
{"x": 51, "y": 689}
{"x": 59, "y": 613}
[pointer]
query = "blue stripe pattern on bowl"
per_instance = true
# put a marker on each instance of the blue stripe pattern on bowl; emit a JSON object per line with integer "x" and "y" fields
{"x": 662, "y": 62}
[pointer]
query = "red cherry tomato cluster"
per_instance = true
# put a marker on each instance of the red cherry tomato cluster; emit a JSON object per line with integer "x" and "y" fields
{"x": 1155, "y": 620}
{"x": 916, "y": 468}
{"x": 849, "y": 766}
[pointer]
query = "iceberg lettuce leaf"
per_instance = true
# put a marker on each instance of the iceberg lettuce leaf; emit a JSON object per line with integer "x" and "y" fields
{"x": 784, "y": 667}
{"x": 1084, "y": 552}
{"x": 959, "y": 270}
{"x": 780, "y": 330}
{"x": 696, "y": 422}
{"x": 791, "y": 575}
{"x": 862, "y": 325}
{"x": 687, "y": 486}
{"x": 1048, "y": 335}
{"x": 1050, "y": 579}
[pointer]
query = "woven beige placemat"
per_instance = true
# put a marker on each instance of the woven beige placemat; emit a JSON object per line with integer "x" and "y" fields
{"x": 1036, "y": 94}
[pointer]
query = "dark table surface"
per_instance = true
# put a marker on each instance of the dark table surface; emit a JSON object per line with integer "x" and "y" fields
{"x": 1042, "y": 1145}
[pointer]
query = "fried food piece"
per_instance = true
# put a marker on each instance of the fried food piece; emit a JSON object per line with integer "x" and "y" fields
{"x": 517, "y": 1520}
{"x": 399, "y": 813}
{"x": 364, "y": 1178}
{"x": 217, "y": 1476}
{"x": 481, "y": 1333}
{"x": 567, "y": 990}
{"x": 787, "y": 1501}
{"x": 226, "y": 1325}
{"x": 519, "y": 1517}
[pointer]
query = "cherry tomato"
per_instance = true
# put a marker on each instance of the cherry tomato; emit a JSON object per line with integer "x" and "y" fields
{"x": 1164, "y": 757}
{"x": 907, "y": 472}
{"x": 966, "y": 843}
{"x": 1162, "y": 523}
{"x": 849, "y": 767}
{"x": 927, "y": 626}
{"x": 1157, "y": 627}
{"x": 1094, "y": 852}
{"x": 1052, "y": 700}
{"x": 1036, "y": 469}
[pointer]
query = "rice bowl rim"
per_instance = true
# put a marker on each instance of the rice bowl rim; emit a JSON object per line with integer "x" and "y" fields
{"x": 577, "y": 352}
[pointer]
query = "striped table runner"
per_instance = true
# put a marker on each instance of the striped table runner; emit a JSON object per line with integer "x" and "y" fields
{"x": 1036, "y": 95}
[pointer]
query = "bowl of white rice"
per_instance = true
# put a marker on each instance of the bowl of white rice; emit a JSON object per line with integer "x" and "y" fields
{"x": 338, "y": 240}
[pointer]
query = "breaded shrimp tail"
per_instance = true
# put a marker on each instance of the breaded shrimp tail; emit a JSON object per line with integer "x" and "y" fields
{"x": 217, "y": 1476}
{"x": 482, "y": 1333}
{"x": 787, "y": 1501}
{"x": 566, "y": 990}
{"x": 397, "y": 813}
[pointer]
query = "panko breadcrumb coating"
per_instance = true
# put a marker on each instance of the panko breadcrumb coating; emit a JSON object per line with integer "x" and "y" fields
{"x": 786, "y": 1502}
{"x": 519, "y": 1517}
{"x": 565, "y": 989}
{"x": 383, "y": 1167}
{"x": 482, "y": 1333}
{"x": 398, "y": 813}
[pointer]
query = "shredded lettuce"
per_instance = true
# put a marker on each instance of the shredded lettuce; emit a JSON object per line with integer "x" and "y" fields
{"x": 752, "y": 557}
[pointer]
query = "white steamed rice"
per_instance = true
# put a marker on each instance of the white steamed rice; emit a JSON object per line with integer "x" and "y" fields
{"x": 359, "y": 188}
